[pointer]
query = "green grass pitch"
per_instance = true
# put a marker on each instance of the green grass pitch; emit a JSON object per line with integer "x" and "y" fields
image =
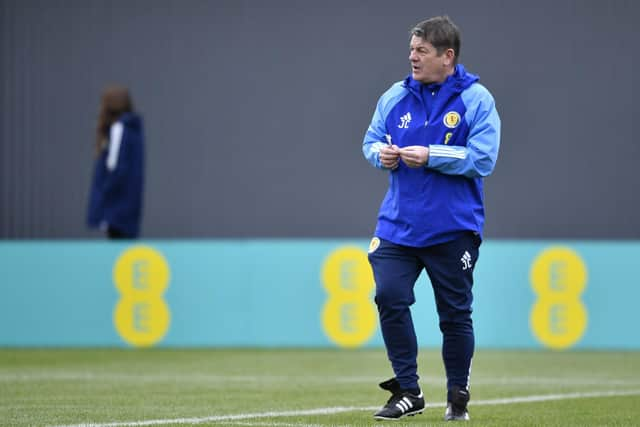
{"x": 305, "y": 387}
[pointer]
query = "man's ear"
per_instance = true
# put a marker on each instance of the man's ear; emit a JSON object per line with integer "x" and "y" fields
{"x": 450, "y": 57}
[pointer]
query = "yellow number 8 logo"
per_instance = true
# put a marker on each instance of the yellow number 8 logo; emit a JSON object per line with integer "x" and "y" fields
{"x": 348, "y": 317}
{"x": 558, "y": 277}
{"x": 141, "y": 275}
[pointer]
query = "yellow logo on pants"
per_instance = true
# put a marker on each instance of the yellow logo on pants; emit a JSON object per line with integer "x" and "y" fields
{"x": 141, "y": 275}
{"x": 349, "y": 317}
{"x": 558, "y": 317}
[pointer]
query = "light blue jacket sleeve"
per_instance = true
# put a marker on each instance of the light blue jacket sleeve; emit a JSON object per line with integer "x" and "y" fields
{"x": 479, "y": 156}
{"x": 376, "y": 136}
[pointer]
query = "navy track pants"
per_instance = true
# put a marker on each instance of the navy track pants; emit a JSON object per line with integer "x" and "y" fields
{"x": 450, "y": 267}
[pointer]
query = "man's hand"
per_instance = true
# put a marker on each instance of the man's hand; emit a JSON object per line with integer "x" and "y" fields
{"x": 390, "y": 156}
{"x": 414, "y": 156}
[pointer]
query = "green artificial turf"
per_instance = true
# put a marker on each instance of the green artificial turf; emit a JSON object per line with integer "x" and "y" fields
{"x": 305, "y": 387}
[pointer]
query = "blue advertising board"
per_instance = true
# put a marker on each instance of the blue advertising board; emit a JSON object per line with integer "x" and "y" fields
{"x": 302, "y": 293}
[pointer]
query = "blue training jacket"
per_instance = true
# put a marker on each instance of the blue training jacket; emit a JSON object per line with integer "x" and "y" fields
{"x": 116, "y": 190}
{"x": 458, "y": 122}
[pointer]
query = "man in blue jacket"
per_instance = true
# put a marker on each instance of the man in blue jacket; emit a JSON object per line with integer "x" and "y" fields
{"x": 437, "y": 134}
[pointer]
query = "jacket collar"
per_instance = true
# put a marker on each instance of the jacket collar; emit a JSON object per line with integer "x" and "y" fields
{"x": 455, "y": 83}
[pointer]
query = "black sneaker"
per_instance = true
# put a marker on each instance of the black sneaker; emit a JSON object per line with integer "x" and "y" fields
{"x": 457, "y": 406}
{"x": 400, "y": 404}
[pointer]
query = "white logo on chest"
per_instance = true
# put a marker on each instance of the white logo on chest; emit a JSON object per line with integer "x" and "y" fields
{"x": 404, "y": 121}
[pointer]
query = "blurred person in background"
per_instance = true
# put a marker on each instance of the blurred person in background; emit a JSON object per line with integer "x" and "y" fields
{"x": 115, "y": 200}
{"x": 437, "y": 133}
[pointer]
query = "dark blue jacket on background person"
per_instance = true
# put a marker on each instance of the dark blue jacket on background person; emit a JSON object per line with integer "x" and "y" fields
{"x": 116, "y": 195}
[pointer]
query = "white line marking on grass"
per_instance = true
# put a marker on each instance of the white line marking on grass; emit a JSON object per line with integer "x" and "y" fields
{"x": 559, "y": 396}
{"x": 215, "y": 418}
{"x": 267, "y": 379}
{"x": 341, "y": 409}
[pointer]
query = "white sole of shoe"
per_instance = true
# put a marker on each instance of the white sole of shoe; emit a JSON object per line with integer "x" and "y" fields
{"x": 408, "y": 414}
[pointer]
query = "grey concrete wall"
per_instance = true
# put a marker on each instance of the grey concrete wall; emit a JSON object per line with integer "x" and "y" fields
{"x": 255, "y": 112}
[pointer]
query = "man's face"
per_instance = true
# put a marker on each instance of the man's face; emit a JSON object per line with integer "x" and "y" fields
{"x": 426, "y": 65}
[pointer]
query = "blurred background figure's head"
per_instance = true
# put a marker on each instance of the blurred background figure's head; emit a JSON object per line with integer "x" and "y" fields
{"x": 115, "y": 101}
